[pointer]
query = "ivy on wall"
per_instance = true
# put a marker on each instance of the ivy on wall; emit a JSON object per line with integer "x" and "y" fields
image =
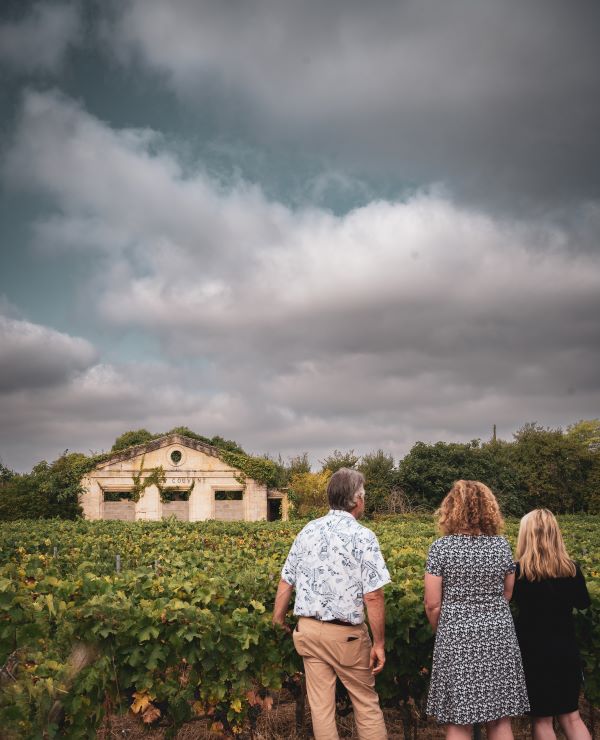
{"x": 167, "y": 493}
{"x": 155, "y": 477}
{"x": 258, "y": 468}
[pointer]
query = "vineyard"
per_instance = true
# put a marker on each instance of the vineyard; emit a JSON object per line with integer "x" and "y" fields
{"x": 171, "y": 621}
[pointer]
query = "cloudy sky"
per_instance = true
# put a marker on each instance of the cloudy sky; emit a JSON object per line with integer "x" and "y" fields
{"x": 303, "y": 226}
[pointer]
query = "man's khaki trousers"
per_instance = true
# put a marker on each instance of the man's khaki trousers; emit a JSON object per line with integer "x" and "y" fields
{"x": 331, "y": 650}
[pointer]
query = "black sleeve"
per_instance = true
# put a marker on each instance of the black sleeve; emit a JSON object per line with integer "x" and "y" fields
{"x": 516, "y": 594}
{"x": 581, "y": 597}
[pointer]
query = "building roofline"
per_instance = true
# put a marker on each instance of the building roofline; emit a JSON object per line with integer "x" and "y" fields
{"x": 155, "y": 444}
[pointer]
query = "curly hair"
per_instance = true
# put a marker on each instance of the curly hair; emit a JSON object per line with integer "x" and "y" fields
{"x": 469, "y": 508}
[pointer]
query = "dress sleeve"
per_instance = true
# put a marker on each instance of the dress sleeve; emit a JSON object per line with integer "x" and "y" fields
{"x": 435, "y": 564}
{"x": 373, "y": 570}
{"x": 508, "y": 563}
{"x": 288, "y": 573}
{"x": 581, "y": 597}
{"x": 516, "y": 594}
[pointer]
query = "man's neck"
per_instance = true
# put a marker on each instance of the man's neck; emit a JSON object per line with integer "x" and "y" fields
{"x": 353, "y": 512}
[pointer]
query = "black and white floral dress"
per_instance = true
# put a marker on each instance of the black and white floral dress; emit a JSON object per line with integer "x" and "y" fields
{"x": 477, "y": 673}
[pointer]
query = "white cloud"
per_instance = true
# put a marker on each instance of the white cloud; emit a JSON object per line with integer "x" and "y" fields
{"x": 40, "y": 40}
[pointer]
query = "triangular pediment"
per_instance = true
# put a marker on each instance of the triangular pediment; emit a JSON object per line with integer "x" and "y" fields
{"x": 168, "y": 440}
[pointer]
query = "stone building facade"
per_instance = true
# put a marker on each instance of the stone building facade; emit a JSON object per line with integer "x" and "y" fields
{"x": 199, "y": 485}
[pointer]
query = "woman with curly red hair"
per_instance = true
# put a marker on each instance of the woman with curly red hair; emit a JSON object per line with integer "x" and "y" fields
{"x": 477, "y": 675}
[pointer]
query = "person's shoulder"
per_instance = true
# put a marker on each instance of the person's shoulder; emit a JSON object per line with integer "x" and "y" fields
{"x": 311, "y": 527}
{"x": 441, "y": 542}
{"x": 578, "y": 571}
{"x": 365, "y": 533}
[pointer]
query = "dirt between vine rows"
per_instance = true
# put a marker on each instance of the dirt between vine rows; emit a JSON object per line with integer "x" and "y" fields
{"x": 279, "y": 724}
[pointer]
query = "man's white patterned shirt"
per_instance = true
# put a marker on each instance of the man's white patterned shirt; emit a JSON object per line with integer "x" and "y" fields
{"x": 333, "y": 563}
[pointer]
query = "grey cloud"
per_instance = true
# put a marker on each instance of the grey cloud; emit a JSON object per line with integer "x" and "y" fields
{"x": 500, "y": 101}
{"x": 39, "y": 41}
{"x": 294, "y": 330}
{"x": 92, "y": 171}
{"x": 35, "y": 356}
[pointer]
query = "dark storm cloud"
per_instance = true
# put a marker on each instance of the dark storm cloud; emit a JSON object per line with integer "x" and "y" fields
{"x": 39, "y": 38}
{"x": 501, "y": 101}
{"x": 296, "y": 329}
{"x": 34, "y": 356}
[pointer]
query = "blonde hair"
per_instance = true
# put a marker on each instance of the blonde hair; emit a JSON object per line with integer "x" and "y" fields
{"x": 469, "y": 508}
{"x": 541, "y": 551}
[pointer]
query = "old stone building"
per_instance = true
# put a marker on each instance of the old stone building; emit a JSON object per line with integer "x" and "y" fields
{"x": 196, "y": 484}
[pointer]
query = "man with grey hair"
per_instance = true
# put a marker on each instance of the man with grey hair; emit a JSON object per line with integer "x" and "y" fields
{"x": 337, "y": 569}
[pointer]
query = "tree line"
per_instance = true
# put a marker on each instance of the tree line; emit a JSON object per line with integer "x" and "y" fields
{"x": 553, "y": 468}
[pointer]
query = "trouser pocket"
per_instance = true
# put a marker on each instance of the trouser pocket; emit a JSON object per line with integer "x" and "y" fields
{"x": 300, "y": 643}
{"x": 350, "y": 650}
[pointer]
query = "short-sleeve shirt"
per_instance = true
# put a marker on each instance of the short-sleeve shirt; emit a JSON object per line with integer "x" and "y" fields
{"x": 473, "y": 567}
{"x": 333, "y": 562}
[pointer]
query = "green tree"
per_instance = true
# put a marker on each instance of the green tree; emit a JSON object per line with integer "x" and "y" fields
{"x": 586, "y": 431}
{"x": 338, "y": 460}
{"x": 554, "y": 467}
{"x": 308, "y": 493}
{"x": 131, "y": 438}
{"x": 226, "y": 444}
{"x": 380, "y": 479}
{"x": 187, "y": 432}
{"x": 216, "y": 441}
{"x": 298, "y": 464}
{"x": 428, "y": 471}
{"x": 6, "y": 474}
{"x": 50, "y": 490}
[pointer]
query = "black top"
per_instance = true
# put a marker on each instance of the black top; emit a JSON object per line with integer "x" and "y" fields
{"x": 546, "y": 635}
{"x": 545, "y": 615}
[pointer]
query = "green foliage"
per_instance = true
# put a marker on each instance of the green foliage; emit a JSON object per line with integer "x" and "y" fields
{"x": 129, "y": 439}
{"x": 261, "y": 469}
{"x": 586, "y": 431}
{"x": 20, "y": 499}
{"x": 154, "y": 477}
{"x": 380, "y": 479}
{"x": 48, "y": 491}
{"x": 307, "y": 493}
{"x": 298, "y": 464}
{"x": 284, "y": 473}
{"x": 338, "y": 460}
{"x": 226, "y": 444}
{"x": 554, "y": 467}
{"x": 184, "y": 629}
{"x": 6, "y": 474}
{"x": 187, "y": 432}
{"x": 541, "y": 467}
{"x": 428, "y": 472}
{"x": 141, "y": 436}
{"x": 216, "y": 441}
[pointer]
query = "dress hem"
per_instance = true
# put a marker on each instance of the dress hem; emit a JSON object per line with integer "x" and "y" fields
{"x": 480, "y": 721}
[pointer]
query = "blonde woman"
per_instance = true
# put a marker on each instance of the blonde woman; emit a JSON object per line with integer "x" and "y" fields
{"x": 548, "y": 586}
{"x": 477, "y": 674}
